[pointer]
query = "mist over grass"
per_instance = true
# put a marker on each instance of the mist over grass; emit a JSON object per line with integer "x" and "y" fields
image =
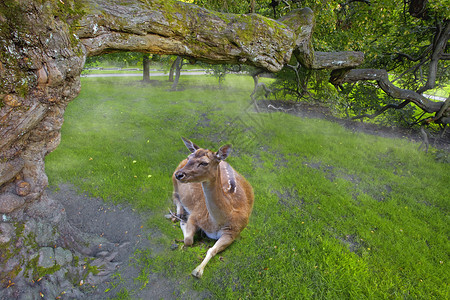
{"x": 337, "y": 214}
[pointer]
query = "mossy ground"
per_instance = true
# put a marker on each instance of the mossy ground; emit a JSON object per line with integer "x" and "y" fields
{"x": 337, "y": 214}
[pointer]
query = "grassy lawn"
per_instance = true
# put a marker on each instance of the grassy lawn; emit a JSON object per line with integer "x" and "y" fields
{"x": 337, "y": 214}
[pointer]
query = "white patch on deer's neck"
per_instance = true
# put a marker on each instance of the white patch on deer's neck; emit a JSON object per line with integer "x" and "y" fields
{"x": 231, "y": 179}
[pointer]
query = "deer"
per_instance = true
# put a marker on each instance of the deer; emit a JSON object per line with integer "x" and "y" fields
{"x": 215, "y": 198}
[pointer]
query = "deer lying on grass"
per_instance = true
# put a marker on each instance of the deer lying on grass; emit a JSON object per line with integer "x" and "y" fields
{"x": 217, "y": 199}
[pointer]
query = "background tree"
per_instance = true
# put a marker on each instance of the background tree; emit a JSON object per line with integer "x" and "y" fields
{"x": 126, "y": 59}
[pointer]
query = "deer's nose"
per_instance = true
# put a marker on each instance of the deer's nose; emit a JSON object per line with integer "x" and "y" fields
{"x": 180, "y": 175}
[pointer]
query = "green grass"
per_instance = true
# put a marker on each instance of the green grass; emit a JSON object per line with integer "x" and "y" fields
{"x": 337, "y": 214}
{"x": 122, "y": 71}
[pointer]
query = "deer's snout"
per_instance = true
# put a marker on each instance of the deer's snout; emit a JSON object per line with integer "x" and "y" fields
{"x": 180, "y": 175}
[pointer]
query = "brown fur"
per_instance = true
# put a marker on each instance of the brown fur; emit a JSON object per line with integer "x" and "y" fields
{"x": 222, "y": 215}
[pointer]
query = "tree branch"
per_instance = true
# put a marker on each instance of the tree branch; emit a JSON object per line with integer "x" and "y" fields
{"x": 382, "y": 110}
{"x": 339, "y": 77}
{"x": 412, "y": 58}
{"x": 337, "y": 60}
{"x": 440, "y": 43}
{"x": 412, "y": 69}
{"x": 442, "y": 114}
{"x": 178, "y": 28}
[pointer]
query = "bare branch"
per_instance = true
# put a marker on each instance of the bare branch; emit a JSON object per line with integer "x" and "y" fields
{"x": 336, "y": 60}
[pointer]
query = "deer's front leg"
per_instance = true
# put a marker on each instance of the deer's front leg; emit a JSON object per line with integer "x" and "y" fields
{"x": 223, "y": 242}
{"x": 189, "y": 228}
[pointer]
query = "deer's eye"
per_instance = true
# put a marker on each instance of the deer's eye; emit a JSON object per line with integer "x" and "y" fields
{"x": 203, "y": 164}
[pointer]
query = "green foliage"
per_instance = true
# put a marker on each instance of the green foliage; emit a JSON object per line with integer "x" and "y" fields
{"x": 364, "y": 98}
{"x": 220, "y": 71}
{"x": 337, "y": 214}
{"x": 384, "y": 30}
{"x": 120, "y": 59}
{"x": 123, "y": 294}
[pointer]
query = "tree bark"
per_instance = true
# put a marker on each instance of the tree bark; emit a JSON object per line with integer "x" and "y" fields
{"x": 146, "y": 68}
{"x": 172, "y": 69}
{"x": 178, "y": 64}
{"x": 439, "y": 46}
{"x": 179, "y": 28}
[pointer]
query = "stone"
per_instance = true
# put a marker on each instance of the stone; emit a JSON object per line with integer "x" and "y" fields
{"x": 10, "y": 202}
{"x": 63, "y": 256}
{"x": 46, "y": 234}
{"x": 50, "y": 290}
{"x": 6, "y": 232}
{"x": 46, "y": 257}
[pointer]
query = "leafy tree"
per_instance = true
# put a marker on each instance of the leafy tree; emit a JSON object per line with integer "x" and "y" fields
{"x": 407, "y": 38}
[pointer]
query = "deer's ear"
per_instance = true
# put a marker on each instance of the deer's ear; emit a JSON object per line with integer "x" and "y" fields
{"x": 190, "y": 145}
{"x": 223, "y": 152}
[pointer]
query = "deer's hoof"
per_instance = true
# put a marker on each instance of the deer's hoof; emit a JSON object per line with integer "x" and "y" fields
{"x": 197, "y": 273}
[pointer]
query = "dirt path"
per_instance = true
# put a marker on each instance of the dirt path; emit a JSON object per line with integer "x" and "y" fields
{"x": 124, "y": 226}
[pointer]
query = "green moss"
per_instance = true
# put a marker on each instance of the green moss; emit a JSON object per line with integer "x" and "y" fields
{"x": 41, "y": 272}
{"x": 70, "y": 12}
{"x": 17, "y": 34}
{"x": 76, "y": 260}
{"x": 19, "y": 228}
{"x": 12, "y": 33}
{"x": 92, "y": 269}
{"x": 37, "y": 272}
{"x": 8, "y": 249}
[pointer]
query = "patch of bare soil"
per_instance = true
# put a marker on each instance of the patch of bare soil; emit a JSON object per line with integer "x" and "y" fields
{"x": 303, "y": 109}
{"x": 125, "y": 227}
